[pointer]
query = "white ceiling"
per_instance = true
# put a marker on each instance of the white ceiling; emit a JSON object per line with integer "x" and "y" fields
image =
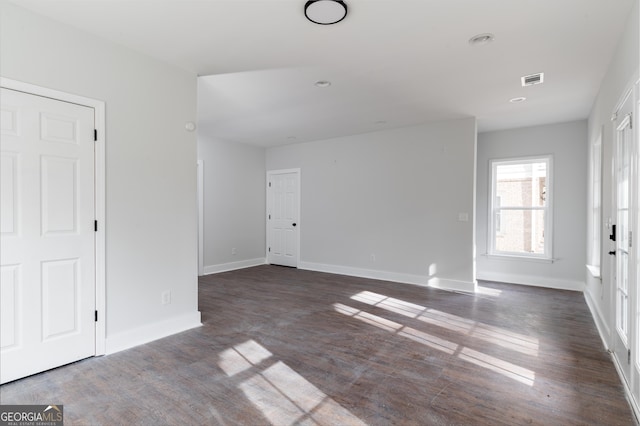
{"x": 391, "y": 63}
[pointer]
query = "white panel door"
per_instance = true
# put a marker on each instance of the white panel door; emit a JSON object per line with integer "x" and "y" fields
{"x": 47, "y": 260}
{"x": 624, "y": 342}
{"x": 282, "y": 217}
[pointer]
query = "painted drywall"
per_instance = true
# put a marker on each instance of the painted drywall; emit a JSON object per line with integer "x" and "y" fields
{"x": 386, "y": 204}
{"x": 234, "y": 204}
{"x": 621, "y": 74}
{"x": 151, "y": 229}
{"x": 567, "y": 143}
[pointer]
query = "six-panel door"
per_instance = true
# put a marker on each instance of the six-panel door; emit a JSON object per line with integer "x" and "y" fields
{"x": 283, "y": 225}
{"x": 47, "y": 271}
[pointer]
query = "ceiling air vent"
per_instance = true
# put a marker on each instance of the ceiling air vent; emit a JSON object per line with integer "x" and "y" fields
{"x": 533, "y": 79}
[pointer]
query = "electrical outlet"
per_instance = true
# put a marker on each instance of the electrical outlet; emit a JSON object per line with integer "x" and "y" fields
{"x": 234, "y": 251}
{"x": 373, "y": 257}
{"x": 166, "y": 297}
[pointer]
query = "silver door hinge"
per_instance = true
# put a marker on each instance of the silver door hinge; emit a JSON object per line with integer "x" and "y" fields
{"x": 628, "y": 356}
{"x": 630, "y": 239}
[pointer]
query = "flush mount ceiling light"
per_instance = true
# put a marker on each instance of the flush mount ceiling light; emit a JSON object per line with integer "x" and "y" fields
{"x": 517, "y": 100}
{"x": 481, "y": 39}
{"x": 325, "y": 12}
{"x": 322, "y": 83}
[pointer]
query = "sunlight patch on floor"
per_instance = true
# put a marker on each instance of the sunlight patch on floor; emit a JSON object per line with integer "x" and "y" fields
{"x": 429, "y": 340}
{"x": 518, "y": 342}
{"x": 282, "y": 395}
{"x": 395, "y": 327}
{"x": 507, "y": 339}
{"x": 242, "y": 357}
{"x": 398, "y": 306}
{"x": 464, "y": 326}
{"x": 505, "y": 368}
{"x": 366, "y": 317}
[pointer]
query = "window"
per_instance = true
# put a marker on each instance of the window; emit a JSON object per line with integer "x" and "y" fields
{"x": 520, "y": 219}
{"x": 595, "y": 220}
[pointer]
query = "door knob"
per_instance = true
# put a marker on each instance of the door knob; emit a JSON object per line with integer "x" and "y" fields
{"x": 293, "y": 224}
{"x": 612, "y": 253}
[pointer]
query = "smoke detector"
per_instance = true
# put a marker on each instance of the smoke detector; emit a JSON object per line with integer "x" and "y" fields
{"x": 532, "y": 80}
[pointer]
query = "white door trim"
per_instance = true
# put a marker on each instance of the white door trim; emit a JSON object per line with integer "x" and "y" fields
{"x": 279, "y": 172}
{"x": 100, "y": 193}
{"x": 200, "y": 165}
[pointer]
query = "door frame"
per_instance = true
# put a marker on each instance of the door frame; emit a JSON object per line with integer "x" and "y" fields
{"x": 100, "y": 192}
{"x": 200, "y": 185}
{"x": 266, "y": 216}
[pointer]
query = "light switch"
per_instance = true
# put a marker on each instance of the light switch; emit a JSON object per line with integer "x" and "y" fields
{"x": 463, "y": 217}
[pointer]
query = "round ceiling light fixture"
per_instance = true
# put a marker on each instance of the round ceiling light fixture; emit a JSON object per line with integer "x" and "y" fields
{"x": 517, "y": 100}
{"x": 481, "y": 39}
{"x": 322, "y": 83}
{"x": 325, "y": 12}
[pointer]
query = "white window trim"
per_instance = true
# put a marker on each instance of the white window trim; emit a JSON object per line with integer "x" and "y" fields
{"x": 518, "y": 257}
{"x": 595, "y": 220}
{"x": 594, "y": 271}
{"x": 548, "y": 209}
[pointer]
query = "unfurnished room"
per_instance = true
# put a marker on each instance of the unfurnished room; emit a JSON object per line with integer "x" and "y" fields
{"x": 319, "y": 212}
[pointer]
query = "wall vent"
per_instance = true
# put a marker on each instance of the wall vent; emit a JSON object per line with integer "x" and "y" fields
{"x": 530, "y": 80}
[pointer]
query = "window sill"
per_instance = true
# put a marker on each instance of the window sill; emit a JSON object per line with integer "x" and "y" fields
{"x": 514, "y": 257}
{"x": 594, "y": 271}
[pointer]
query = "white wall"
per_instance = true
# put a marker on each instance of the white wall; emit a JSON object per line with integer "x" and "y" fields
{"x": 395, "y": 194}
{"x": 622, "y": 72}
{"x": 567, "y": 143}
{"x": 234, "y": 208}
{"x": 151, "y": 243}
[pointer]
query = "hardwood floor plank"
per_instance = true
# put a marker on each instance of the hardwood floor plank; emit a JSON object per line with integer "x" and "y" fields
{"x": 283, "y": 346}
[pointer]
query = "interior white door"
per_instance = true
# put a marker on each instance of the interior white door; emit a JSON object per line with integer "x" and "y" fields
{"x": 283, "y": 195}
{"x": 47, "y": 253}
{"x": 624, "y": 283}
{"x": 635, "y": 369}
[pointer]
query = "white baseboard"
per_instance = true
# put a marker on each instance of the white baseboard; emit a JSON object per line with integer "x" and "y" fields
{"x": 453, "y": 285}
{"x": 601, "y": 323}
{"x": 635, "y": 408}
{"x": 605, "y": 335}
{"x": 232, "y": 266}
{"x": 532, "y": 281}
{"x": 151, "y": 332}
{"x": 441, "y": 283}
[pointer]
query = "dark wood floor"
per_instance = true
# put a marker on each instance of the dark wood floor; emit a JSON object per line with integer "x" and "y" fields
{"x": 283, "y": 346}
